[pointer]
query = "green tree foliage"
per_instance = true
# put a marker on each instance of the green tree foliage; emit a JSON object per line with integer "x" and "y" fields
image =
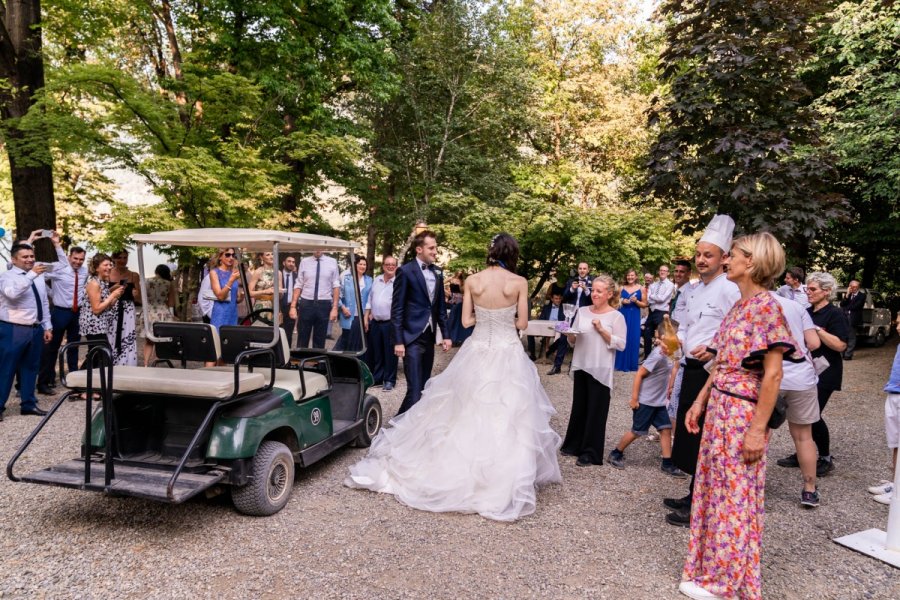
{"x": 861, "y": 108}
{"x": 234, "y": 112}
{"x": 451, "y": 131}
{"x": 734, "y": 136}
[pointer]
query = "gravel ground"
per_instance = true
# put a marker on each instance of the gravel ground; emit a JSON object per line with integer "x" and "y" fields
{"x": 599, "y": 534}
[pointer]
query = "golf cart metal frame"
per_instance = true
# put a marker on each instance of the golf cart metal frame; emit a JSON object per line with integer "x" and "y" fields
{"x": 249, "y": 439}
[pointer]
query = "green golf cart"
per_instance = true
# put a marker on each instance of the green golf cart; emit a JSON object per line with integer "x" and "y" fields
{"x": 171, "y": 433}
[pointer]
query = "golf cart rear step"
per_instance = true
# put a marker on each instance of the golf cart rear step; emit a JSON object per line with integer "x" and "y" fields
{"x": 129, "y": 481}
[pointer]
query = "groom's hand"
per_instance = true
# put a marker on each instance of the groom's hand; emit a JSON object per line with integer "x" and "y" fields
{"x": 400, "y": 350}
{"x": 446, "y": 344}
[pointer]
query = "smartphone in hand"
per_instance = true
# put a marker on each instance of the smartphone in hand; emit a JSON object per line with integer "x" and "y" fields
{"x": 47, "y": 233}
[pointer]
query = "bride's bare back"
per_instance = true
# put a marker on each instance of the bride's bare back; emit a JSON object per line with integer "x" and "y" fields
{"x": 494, "y": 288}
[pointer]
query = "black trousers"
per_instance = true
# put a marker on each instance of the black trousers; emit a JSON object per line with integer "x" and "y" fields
{"x": 417, "y": 365}
{"x": 654, "y": 319}
{"x": 65, "y": 323}
{"x": 288, "y": 324}
{"x": 820, "y": 434}
{"x": 380, "y": 354}
{"x": 686, "y": 447}
{"x": 313, "y": 322}
{"x": 586, "y": 433}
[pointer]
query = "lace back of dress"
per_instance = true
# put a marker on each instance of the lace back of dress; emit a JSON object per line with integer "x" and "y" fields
{"x": 495, "y": 326}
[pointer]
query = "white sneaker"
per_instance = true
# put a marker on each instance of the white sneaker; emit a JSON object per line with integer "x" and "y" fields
{"x": 692, "y": 590}
{"x": 883, "y": 498}
{"x": 883, "y": 487}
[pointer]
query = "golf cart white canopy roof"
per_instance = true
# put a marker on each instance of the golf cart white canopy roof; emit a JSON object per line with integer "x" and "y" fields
{"x": 254, "y": 240}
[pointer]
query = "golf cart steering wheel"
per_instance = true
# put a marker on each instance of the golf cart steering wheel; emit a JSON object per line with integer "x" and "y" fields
{"x": 260, "y": 315}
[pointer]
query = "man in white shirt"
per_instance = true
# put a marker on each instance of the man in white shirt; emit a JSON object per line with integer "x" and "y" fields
{"x": 706, "y": 308}
{"x": 798, "y": 387}
{"x": 24, "y": 327}
{"x": 318, "y": 290}
{"x": 66, "y": 279}
{"x": 793, "y": 287}
{"x": 660, "y": 295}
{"x": 377, "y": 323}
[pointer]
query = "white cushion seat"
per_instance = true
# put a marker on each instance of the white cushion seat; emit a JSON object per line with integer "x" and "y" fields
{"x": 288, "y": 379}
{"x": 195, "y": 383}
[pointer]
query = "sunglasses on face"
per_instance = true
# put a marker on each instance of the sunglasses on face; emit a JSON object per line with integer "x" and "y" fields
{"x": 228, "y": 255}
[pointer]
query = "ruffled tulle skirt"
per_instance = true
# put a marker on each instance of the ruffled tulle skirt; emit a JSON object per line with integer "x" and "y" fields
{"x": 479, "y": 440}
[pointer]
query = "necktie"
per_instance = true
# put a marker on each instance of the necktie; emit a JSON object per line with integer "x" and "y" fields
{"x": 37, "y": 300}
{"x": 674, "y": 301}
{"x": 75, "y": 294}
{"x": 316, "y": 287}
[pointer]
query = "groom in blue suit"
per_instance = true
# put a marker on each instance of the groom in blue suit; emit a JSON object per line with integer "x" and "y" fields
{"x": 417, "y": 309}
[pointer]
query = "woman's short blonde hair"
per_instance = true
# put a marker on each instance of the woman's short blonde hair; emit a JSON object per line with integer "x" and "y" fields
{"x": 610, "y": 286}
{"x": 767, "y": 254}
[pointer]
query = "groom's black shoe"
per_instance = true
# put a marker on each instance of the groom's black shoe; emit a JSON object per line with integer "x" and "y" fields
{"x": 677, "y": 503}
{"x": 553, "y": 371}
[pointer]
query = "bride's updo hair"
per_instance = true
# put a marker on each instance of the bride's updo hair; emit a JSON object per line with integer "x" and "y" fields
{"x": 503, "y": 251}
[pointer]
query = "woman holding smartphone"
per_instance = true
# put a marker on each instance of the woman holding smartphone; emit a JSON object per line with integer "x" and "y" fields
{"x": 97, "y": 301}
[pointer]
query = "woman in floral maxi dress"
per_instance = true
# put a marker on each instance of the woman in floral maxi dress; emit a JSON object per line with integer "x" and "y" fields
{"x": 727, "y": 515}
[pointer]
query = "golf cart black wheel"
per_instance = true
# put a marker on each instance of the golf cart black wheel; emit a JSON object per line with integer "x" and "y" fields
{"x": 262, "y": 315}
{"x": 879, "y": 339}
{"x": 271, "y": 481}
{"x": 371, "y": 422}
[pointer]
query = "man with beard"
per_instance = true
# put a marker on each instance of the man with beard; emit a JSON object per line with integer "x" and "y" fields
{"x": 707, "y": 306}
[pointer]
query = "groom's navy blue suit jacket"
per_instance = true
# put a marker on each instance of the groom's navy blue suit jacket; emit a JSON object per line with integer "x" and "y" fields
{"x": 411, "y": 307}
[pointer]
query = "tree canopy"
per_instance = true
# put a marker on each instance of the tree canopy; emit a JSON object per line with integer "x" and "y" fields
{"x": 584, "y": 132}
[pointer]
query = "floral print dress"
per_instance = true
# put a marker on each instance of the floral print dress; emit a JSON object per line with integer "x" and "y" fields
{"x": 266, "y": 281}
{"x": 727, "y": 512}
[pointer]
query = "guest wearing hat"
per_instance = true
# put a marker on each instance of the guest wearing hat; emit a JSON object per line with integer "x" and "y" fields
{"x": 706, "y": 307}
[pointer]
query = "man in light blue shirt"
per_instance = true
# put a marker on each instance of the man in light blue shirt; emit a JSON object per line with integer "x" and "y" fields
{"x": 24, "y": 327}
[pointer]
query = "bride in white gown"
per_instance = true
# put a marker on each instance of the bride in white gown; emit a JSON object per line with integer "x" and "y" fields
{"x": 479, "y": 440}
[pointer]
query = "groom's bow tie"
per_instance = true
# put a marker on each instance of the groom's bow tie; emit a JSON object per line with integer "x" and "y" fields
{"x": 427, "y": 267}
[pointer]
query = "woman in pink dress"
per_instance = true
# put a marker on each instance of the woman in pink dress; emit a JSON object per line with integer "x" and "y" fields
{"x": 727, "y": 514}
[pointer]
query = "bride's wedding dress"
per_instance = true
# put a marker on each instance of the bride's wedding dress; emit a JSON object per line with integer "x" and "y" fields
{"x": 479, "y": 440}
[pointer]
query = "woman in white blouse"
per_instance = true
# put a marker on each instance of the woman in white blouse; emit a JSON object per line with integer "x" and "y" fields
{"x": 601, "y": 331}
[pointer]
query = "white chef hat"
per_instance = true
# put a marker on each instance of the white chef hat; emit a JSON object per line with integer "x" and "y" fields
{"x": 719, "y": 232}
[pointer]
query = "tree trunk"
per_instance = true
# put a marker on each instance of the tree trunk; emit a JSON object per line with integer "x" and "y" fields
{"x": 371, "y": 240}
{"x": 30, "y": 163}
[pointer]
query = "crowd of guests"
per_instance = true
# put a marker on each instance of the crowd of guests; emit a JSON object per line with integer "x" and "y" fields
{"x": 42, "y": 304}
{"x": 745, "y": 356}
{"x": 739, "y": 355}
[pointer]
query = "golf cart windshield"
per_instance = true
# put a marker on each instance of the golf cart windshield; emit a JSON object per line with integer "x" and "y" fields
{"x": 269, "y": 309}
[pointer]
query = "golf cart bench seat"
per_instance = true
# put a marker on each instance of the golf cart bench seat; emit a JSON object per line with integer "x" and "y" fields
{"x": 288, "y": 379}
{"x": 195, "y": 383}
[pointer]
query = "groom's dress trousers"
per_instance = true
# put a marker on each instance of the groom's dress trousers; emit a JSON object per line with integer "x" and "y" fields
{"x": 417, "y": 311}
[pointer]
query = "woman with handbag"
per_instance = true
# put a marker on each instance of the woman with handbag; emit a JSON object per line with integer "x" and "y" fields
{"x": 738, "y": 399}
